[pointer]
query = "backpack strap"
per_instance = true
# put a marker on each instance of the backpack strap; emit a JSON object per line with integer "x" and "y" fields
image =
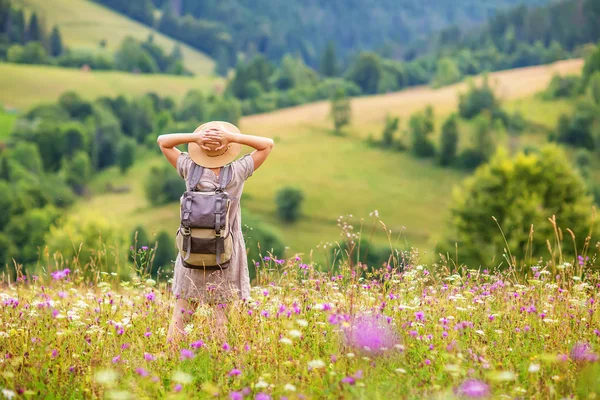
{"x": 225, "y": 177}
{"x": 193, "y": 177}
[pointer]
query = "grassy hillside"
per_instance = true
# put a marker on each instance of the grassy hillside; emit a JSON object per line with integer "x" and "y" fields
{"x": 339, "y": 175}
{"x": 6, "y": 123}
{"x": 84, "y": 24}
{"x": 26, "y": 85}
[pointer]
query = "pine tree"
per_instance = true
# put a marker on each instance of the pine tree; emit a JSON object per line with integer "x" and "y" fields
{"x": 16, "y": 26}
{"x": 56, "y": 44}
{"x": 448, "y": 140}
{"x": 329, "y": 61}
{"x": 33, "y": 33}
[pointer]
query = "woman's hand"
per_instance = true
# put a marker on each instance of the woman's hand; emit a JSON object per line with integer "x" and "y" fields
{"x": 217, "y": 136}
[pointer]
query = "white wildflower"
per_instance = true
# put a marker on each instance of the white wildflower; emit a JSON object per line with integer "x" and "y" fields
{"x": 316, "y": 364}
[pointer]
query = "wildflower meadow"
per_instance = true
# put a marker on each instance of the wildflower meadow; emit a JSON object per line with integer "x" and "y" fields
{"x": 406, "y": 330}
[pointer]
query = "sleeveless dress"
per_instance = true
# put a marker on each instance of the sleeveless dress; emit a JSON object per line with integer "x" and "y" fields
{"x": 232, "y": 283}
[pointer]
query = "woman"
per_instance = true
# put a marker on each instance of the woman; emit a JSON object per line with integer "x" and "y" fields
{"x": 212, "y": 146}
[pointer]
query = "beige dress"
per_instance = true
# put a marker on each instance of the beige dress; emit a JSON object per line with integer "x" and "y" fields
{"x": 234, "y": 282}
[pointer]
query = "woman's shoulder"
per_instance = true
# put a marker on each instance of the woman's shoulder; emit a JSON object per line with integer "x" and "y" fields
{"x": 243, "y": 167}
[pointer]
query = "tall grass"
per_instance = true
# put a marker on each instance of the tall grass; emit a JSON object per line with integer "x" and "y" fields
{"x": 342, "y": 330}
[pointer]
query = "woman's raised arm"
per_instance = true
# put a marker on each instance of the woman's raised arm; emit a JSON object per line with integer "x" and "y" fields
{"x": 262, "y": 145}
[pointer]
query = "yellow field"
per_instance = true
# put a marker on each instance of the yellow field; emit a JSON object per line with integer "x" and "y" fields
{"x": 23, "y": 86}
{"x": 84, "y": 24}
{"x": 338, "y": 175}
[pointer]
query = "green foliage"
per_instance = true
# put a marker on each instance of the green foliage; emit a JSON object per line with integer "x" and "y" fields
{"x": 366, "y": 72}
{"x": 447, "y": 72}
{"x": 131, "y": 57}
{"x": 371, "y": 257}
{"x": 74, "y": 138}
{"x": 77, "y": 171}
{"x": 226, "y": 109}
{"x": 448, "y": 140}
{"x": 126, "y": 154}
{"x": 594, "y": 88}
{"x": 26, "y": 231}
{"x": 477, "y": 100}
{"x": 31, "y": 53}
{"x": 163, "y": 185}
{"x": 251, "y": 79}
{"x": 6, "y": 204}
{"x": 288, "y": 201}
{"x": 33, "y": 32}
{"x": 166, "y": 251}
{"x": 580, "y": 129}
{"x": 483, "y": 140}
{"x": 95, "y": 242}
{"x": 261, "y": 240}
{"x": 591, "y": 66}
{"x": 77, "y": 107}
{"x": 391, "y": 127}
{"x": 106, "y": 133}
{"x": 420, "y": 126}
{"x": 518, "y": 192}
{"x": 56, "y": 44}
{"x": 341, "y": 111}
{"x": 139, "y": 238}
{"x": 194, "y": 107}
{"x": 562, "y": 87}
{"x": 329, "y": 65}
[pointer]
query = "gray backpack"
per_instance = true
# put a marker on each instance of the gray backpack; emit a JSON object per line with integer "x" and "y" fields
{"x": 204, "y": 238}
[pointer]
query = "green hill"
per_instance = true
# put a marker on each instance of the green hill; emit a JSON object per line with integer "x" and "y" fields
{"x": 343, "y": 175}
{"x": 26, "y": 85}
{"x": 84, "y": 24}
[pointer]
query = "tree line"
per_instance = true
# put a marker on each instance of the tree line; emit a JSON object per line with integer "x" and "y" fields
{"x": 25, "y": 41}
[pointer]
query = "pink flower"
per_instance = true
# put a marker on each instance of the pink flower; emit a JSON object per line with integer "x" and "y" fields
{"x": 197, "y": 344}
{"x": 58, "y": 275}
{"x": 141, "y": 372}
{"x": 262, "y": 396}
{"x": 186, "y": 354}
{"x": 148, "y": 357}
{"x": 178, "y": 388}
{"x": 236, "y": 396}
{"x": 582, "y": 352}
{"x": 116, "y": 359}
{"x": 473, "y": 389}
{"x": 234, "y": 372}
{"x": 370, "y": 332}
{"x": 226, "y": 347}
{"x": 150, "y": 296}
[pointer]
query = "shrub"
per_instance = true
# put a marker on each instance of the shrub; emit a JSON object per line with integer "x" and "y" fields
{"x": 476, "y": 100}
{"x": 518, "y": 192}
{"x": 288, "y": 202}
{"x": 163, "y": 185}
{"x": 448, "y": 140}
{"x": 562, "y": 87}
{"x": 340, "y": 110}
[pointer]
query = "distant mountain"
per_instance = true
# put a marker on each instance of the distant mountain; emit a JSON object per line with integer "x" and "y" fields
{"x": 225, "y": 28}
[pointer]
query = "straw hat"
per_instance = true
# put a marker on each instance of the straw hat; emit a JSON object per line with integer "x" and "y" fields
{"x": 215, "y": 158}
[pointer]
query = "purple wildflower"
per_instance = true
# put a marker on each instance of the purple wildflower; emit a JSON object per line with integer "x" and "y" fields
{"x": 186, "y": 354}
{"x": 370, "y": 332}
{"x": 197, "y": 344}
{"x": 178, "y": 387}
{"x": 420, "y": 316}
{"x": 262, "y": 396}
{"x": 150, "y": 296}
{"x": 144, "y": 248}
{"x": 226, "y": 347}
{"x": 473, "y": 389}
{"x": 58, "y": 275}
{"x": 234, "y": 372}
{"x": 141, "y": 372}
{"x": 236, "y": 396}
{"x": 349, "y": 380}
{"x": 148, "y": 357}
{"x": 116, "y": 359}
{"x": 582, "y": 352}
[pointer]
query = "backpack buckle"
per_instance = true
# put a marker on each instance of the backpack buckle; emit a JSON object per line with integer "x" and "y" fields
{"x": 185, "y": 231}
{"x": 218, "y": 233}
